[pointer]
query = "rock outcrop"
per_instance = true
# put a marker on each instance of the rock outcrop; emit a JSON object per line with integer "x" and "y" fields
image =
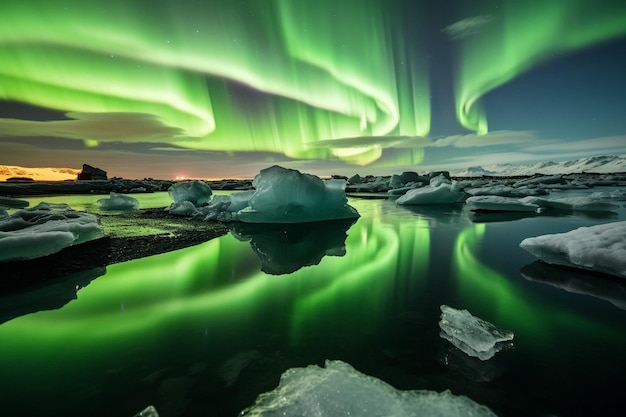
{"x": 90, "y": 173}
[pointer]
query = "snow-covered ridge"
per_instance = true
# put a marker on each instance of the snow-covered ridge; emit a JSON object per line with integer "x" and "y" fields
{"x": 594, "y": 164}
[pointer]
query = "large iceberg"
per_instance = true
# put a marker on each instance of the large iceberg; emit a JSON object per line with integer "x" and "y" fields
{"x": 599, "y": 248}
{"x": 339, "y": 390}
{"x": 43, "y": 230}
{"x": 280, "y": 195}
{"x": 474, "y": 336}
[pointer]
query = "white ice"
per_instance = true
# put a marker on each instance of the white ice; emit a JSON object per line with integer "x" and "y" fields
{"x": 10, "y": 202}
{"x": 118, "y": 201}
{"x": 196, "y": 192}
{"x": 474, "y": 336}
{"x": 497, "y": 203}
{"x": 599, "y": 248}
{"x": 339, "y": 390}
{"x": 571, "y": 203}
{"x": 44, "y": 230}
{"x": 280, "y": 195}
{"x": 439, "y": 191}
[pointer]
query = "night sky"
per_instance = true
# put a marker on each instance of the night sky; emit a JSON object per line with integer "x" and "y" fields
{"x": 222, "y": 89}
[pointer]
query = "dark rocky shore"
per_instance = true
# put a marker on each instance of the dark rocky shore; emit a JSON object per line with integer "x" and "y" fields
{"x": 130, "y": 235}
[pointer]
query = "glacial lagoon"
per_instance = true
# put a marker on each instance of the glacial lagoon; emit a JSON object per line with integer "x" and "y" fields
{"x": 204, "y": 330}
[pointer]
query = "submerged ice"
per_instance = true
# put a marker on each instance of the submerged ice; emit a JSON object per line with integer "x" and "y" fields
{"x": 339, "y": 390}
{"x": 474, "y": 336}
{"x": 600, "y": 248}
{"x": 280, "y": 195}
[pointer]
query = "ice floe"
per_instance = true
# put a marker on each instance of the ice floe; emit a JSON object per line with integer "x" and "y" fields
{"x": 599, "y": 248}
{"x": 498, "y": 203}
{"x": 571, "y": 203}
{"x": 474, "y": 336}
{"x": 340, "y": 390}
{"x": 441, "y": 190}
{"x": 43, "y": 230}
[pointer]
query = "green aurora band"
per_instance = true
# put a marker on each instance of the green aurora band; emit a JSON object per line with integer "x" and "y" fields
{"x": 179, "y": 62}
{"x": 297, "y": 78}
{"x": 523, "y": 35}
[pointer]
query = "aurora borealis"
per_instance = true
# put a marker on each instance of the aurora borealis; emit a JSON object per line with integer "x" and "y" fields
{"x": 365, "y": 85}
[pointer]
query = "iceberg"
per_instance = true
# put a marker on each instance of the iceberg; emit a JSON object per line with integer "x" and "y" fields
{"x": 117, "y": 201}
{"x": 43, "y": 230}
{"x": 196, "y": 192}
{"x": 340, "y": 390}
{"x": 472, "y": 335}
{"x": 600, "y": 248}
{"x": 287, "y": 196}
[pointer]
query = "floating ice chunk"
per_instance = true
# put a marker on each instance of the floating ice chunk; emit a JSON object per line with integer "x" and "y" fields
{"x": 196, "y": 192}
{"x": 472, "y": 335}
{"x": 550, "y": 179}
{"x": 44, "y": 230}
{"x": 438, "y": 180}
{"x": 443, "y": 193}
{"x": 599, "y": 248}
{"x": 497, "y": 203}
{"x": 149, "y": 411}
{"x": 288, "y": 196}
{"x": 617, "y": 195}
{"x": 118, "y": 201}
{"x": 340, "y": 390}
{"x": 571, "y": 203}
{"x": 184, "y": 208}
{"x": 10, "y": 202}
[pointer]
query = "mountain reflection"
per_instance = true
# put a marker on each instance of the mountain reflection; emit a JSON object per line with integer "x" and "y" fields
{"x": 285, "y": 248}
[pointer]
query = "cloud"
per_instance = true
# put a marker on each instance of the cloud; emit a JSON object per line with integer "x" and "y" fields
{"x": 366, "y": 141}
{"x": 610, "y": 144}
{"x": 468, "y": 26}
{"x": 500, "y": 137}
{"x": 128, "y": 127}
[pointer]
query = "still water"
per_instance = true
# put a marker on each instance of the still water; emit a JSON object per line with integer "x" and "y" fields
{"x": 202, "y": 331}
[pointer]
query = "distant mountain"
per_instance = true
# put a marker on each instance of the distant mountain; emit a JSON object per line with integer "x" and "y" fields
{"x": 594, "y": 164}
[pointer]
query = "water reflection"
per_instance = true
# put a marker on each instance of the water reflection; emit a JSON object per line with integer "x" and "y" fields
{"x": 51, "y": 296}
{"x": 285, "y": 248}
{"x": 470, "y": 367}
{"x": 578, "y": 281}
{"x": 205, "y": 328}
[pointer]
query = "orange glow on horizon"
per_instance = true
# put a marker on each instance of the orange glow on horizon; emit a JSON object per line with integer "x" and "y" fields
{"x": 38, "y": 174}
